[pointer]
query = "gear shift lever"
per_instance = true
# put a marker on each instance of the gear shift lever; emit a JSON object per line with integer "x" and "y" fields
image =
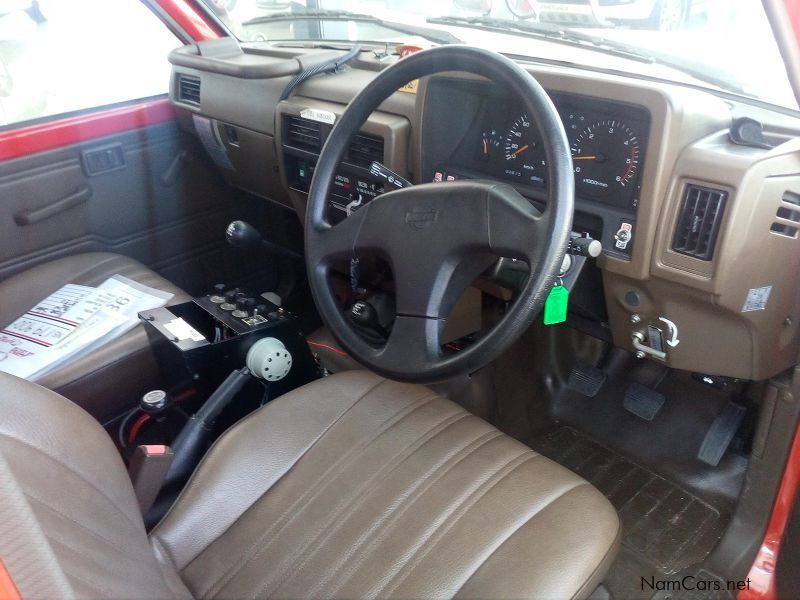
{"x": 241, "y": 234}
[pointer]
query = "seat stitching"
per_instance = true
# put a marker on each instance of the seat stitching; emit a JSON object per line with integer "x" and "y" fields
{"x": 74, "y": 472}
{"x": 339, "y": 466}
{"x": 512, "y": 532}
{"x": 454, "y": 516}
{"x": 372, "y": 538}
{"x": 95, "y": 533}
{"x": 289, "y": 512}
{"x": 82, "y": 554}
{"x": 74, "y": 576}
{"x": 336, "y": 521}
{"x": 192, "y": 483}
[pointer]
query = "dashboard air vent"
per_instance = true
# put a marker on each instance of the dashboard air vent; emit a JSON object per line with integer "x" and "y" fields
{"x": 189, "y": 89}
{"x": 699, "y": 221}
{"x": 304, "y": 134}
{"x": 787, "y": 213}
{"x": 364, "y": 149}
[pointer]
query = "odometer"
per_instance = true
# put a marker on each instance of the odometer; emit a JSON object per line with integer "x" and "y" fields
{"x": 605, "y": 157}
{"x": 523, "y": 153}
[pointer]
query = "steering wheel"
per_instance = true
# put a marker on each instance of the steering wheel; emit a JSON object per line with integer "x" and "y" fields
{"x": 438, "y": 237}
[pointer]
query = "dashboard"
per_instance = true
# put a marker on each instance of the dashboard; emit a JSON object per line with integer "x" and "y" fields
{"x": 700, "y": 266}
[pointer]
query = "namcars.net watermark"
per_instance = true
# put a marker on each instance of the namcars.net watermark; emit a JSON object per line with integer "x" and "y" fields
{"x": 693, "y": 583}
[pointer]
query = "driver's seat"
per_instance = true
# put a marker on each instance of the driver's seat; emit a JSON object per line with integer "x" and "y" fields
{"x": 352, "y": 486}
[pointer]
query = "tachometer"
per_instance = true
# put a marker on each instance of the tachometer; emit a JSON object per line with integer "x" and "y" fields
{"x": 605, "y": 157}
{"x": 524, "y": 153}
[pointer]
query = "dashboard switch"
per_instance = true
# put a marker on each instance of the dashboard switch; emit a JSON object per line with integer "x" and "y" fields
{"x": 584, "y": 246}
{"x": 623, "y": 236}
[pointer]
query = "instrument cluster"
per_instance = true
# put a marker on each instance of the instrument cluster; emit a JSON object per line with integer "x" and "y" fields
{"x": 607, "y": 142}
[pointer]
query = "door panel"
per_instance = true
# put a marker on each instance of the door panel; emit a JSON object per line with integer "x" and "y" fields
{"x": 160, "y": 202}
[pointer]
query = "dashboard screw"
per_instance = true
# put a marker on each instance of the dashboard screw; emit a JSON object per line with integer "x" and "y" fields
{"x": 640, "y": 354}
{"x": 636, "y": 318}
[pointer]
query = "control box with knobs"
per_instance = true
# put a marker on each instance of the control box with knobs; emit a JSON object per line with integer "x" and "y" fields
{"x": 197, "y": 343}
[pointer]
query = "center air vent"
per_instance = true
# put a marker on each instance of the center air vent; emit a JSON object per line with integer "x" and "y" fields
{"x": 364, "y": 149}
{"x": 189, "y": 89}
{"x": 304, "y": 134}
{"x": 699, "y": 221}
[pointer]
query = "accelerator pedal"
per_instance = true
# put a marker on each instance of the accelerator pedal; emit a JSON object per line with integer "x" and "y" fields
{"x": 720, "y": 434}
{"x": 643, "y": 401}
{"x": 586, "y": 380}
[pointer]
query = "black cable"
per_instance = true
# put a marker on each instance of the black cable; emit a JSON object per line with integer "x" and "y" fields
{"x": 123, "y": 425}
{"x": 328, "y": 67}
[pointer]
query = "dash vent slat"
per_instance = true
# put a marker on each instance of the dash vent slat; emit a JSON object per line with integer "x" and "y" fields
{"x": 189, "y": 89}
{"x": 364, "y": 149}
{"x": 699, "y": 221}
{"x": 304, "y": 134}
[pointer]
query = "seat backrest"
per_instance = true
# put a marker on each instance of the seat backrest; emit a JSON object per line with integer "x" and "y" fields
{"x": 69, "y": 524}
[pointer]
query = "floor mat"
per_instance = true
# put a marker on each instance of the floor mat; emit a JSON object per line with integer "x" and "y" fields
{"x": 665, "y": 528}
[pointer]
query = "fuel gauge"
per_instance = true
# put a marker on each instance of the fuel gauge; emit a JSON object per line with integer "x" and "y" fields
{"x": 490, "y": 141}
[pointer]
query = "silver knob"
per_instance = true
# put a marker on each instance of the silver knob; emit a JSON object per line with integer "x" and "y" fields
{"x": 154, "y": 401}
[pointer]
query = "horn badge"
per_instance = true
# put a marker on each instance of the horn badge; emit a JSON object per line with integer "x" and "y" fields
{"x": 421, "y": 218}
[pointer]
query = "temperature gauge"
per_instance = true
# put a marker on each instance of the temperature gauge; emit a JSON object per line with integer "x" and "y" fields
{"x": 490, "y": 141}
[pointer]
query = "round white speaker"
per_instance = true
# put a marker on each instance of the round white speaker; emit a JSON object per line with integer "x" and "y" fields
{"x": 269, "y": 359}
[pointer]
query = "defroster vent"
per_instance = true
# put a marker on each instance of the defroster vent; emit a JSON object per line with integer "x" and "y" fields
{"x": 304, "y": 134}
{"x": 189, "y": 89}
{"x": 699, "y": 221}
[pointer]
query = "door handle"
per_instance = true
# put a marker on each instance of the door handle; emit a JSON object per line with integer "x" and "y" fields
{"x": 170, "y": 175}
{"x": 35, "y": 215}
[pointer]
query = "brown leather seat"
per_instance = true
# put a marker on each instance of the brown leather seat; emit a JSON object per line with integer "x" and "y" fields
{"x": 350, "y": 487}
{"x": 104, "y": 380}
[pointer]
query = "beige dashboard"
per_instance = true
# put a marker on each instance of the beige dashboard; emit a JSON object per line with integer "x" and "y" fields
{"x": 735, "y": 313}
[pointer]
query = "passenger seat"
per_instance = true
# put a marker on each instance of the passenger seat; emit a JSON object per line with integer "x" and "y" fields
{"x": 108, "y": 379}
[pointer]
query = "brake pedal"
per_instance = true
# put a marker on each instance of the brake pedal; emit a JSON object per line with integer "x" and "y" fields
{"x": 586, "y": 380}
{"x": 720, "y": 434}
{"x": 642, "y": 401}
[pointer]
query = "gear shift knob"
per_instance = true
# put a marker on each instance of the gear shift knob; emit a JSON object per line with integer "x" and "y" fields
{"x": 243, "y": 235}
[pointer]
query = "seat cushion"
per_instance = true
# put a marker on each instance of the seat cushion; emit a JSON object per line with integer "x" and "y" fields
{"x": 355, "y": 486}
{"x": 107, "y": 379}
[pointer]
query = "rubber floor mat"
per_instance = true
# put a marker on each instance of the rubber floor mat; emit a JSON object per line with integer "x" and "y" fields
{"x": 665, "y": 529}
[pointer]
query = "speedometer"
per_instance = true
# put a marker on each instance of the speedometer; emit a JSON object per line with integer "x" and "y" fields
{"x": 605, "y": 156}
{"x": 524, "y": 153}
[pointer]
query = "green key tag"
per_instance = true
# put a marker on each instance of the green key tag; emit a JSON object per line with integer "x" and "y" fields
{"x": 555, "y": 307}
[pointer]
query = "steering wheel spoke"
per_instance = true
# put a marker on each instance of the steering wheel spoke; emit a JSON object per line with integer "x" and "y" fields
{"x": 414, "y": 341}
{"x": 517, "y": 229}
{"x": 338, "y": 241}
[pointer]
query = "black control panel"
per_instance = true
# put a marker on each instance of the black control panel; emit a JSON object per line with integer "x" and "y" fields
{"x": 303, "y": 138}
{"x": 352, "y": 187}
